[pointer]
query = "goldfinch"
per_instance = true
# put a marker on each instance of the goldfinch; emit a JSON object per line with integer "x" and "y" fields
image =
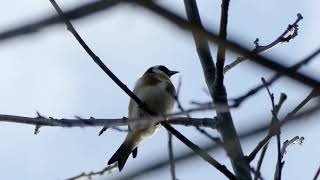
{"x": 156, "y": 90}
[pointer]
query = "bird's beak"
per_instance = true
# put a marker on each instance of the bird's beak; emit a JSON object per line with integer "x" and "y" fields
{"x": 172, "y": 73}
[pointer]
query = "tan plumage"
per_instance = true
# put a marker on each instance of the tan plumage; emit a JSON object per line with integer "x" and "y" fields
{"x": 156, "y": 90}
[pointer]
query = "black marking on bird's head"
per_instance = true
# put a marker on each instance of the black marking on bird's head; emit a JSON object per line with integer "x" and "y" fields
{"x": 161, "y": 69}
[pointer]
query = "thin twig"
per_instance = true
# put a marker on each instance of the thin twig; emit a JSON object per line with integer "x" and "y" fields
{"x": 256, "y": 173}
{"x": 265, "y": 140}
{"x": 91, "y": 174}
{"x": 171, "y": 157}
{"x": 236, "y": 102}
{"x": 314, "y": 93}
{"x": 280, "y": 163}
{"x": 259, "y": 164}
{"x": 275, "y": 128}
{"x": 317, "y": 174}
{"x": 284, "y": 37}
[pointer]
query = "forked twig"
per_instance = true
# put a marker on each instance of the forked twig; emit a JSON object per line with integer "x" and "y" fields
{"x": 284, "y": 37}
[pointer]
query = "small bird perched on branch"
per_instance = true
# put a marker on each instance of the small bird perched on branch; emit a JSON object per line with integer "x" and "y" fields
{"x": 156, "y": 90}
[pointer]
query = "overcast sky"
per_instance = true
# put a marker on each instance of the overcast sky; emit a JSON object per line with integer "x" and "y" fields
{"x": 49, "y": 72}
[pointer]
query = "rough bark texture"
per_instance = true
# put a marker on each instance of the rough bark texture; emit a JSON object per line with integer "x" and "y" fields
{"x": 214, "y": 80}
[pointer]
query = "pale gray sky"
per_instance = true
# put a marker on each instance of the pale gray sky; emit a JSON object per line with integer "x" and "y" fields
{"x": 50, "y": 73}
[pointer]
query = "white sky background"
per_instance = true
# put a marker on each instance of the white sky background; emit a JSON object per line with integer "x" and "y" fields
{"x": 50, "y": 73}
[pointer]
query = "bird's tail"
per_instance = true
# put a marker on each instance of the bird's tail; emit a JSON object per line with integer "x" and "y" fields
{"x": 122, "y": 154}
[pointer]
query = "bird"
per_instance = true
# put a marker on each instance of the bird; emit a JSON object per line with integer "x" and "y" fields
{"x": 155, "y": 89}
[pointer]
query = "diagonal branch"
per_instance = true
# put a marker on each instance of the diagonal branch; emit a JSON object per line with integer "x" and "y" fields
{"x": 237, "y": 101}
{"x": 284, "y": 37}
{"x": 317, "y": 174}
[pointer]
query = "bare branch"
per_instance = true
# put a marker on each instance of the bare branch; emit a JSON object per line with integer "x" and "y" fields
{"x": 256, "y": 173}
{"x": 214, "y": 80}
{"x": 92, "y": 122}
{"x": 265, "y": 140}
{"x": 171, "y": 157}
{"x": 102, "y": 130}
{"x": 264, "y": 82}
{"x": 91, "y": 174}
{"x": 288, "y": 117}
{"x": 275, "y": 127}
{"x": 263, "y": 152}
{"x": 284, "y": 37}
{"x": 221, "y": 54}
{"x": 237, "y": 101}
{"x": 317, "y": 174}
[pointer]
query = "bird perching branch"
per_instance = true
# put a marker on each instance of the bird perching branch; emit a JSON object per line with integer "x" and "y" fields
{"x": 214, "y": 79}
{"x": 109, "y": 123}
{"x": 141, "y": 104}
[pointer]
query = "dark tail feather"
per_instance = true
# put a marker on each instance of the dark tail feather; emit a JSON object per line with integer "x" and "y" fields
{"x": 121, "y": 156}
{"x": 135, "y": 152}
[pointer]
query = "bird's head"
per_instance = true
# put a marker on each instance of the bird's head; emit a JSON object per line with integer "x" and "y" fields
{"x": 161, "y": 70}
